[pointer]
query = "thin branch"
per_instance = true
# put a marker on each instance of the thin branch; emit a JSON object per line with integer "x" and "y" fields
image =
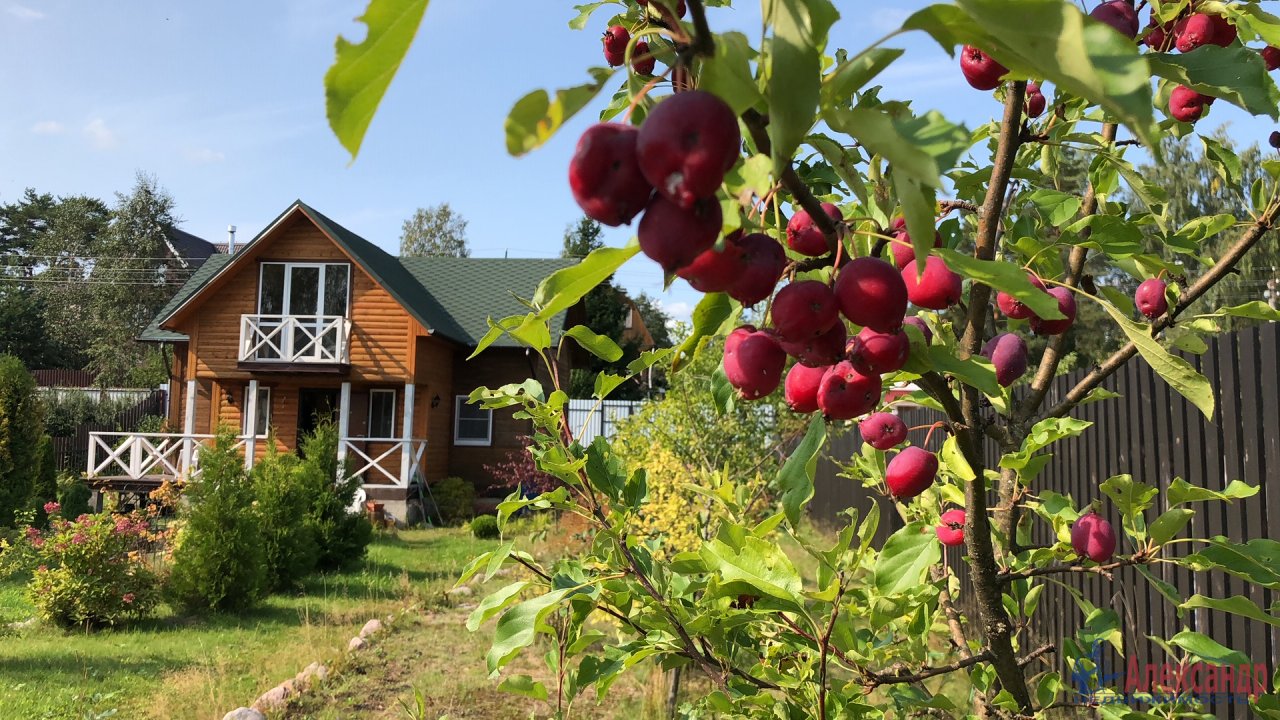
{"x": 758, "y": 124}
{"x": 878, "y": 679}
{"x": 1221, "y": 269}
{"x": 1031, "y": 657}
{"x": 946, "y": 206}
{"x": 704, "y": 43}
{"x": 1103, "y": 570}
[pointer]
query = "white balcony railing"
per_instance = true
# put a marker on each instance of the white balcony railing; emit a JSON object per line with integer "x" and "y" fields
{"x": 319, "y": 339}
{"x": 379, "y": 462}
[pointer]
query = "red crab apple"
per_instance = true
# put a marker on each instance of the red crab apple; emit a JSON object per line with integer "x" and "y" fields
{"x": 687, "y": 144}
{"x": 821, "y": 351}
{"x": 910, "y": 473}
{"x": 761, "y": 261}
{"x": 922, "y": 326}
{"x": 1008, "y": 353}
{"x": 734, "y": 338}
{"x": 1012, "y": 306}
{"x": 980, "y": 70}
{"x": 902, "y": 250}
{"x": 1270, "y": 56}
{"x": 616, "y": 39}
{"x": 882, "y": 430}
{"x": 1274, "y": 139}
{"x": 753, "y": 364}
{"x": 1224, "y": 33}
{"x": 803, "y": 310}
{"x": 951, "y": 528}
{"x": 937, "y": 288}
{"x": 715, "y": 270}
{"x": 803, "y": 235}
{"x": 845, "y": 393}
{"x": 801, "y": 387}
{"x": 673, "y": 236}
{"x": 871, "y": 293}
{"x": 641, "y": 61}
{"x": 605, "y": 176}
{"x": 1150, "y": 298}
{"x": 1093, "y": 537}
{"x": 1157, "y": 37}
{"x": 1193, "y": 31}
{"x": 1035, "y": 104}
{"x": 1120, "y": 15}
{"x": 1066, "y": 306}
{"x": 1186, "y": 105}
{"x": 878, "y": 353}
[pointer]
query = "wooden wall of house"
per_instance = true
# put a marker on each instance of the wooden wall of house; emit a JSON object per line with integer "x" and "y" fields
{"x": 382, "y": 332}
{"x": 434, "y": 360}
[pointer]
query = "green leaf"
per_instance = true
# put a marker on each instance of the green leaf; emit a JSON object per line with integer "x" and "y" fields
{"x": 523, "y": 685}
{"x": 1235, "y": 74}
{"x": 1255, "y": 310}
{"x": 1223, "y": 159}
{"x": 1207, "y": 649}
{"x": 976, "y": 372}
{"x": 709, "y": 317}
{"x": 579, "y": 22}
{"x": 1055, "y": 41}
{"x": 1169, "y": 592}
{"x": 796, "y": 476}
{"x": 849, "y": 76}
{"x": 920, "y": 147}
{"x": 1057, "y": 208}
{"x": 518, "y": 626}
{"x": 918, "y": 205}
{"x": 361, "y": 73}
{"x": 905, "y": 560}
{"x": 494, "y": 604}
{"x": 1180, "y": 492}
{"x": 1005, "y": 277}
{"x": 598, "y": 345}
{"x": 1169, "y": 524}
{"x": 607, "y": 472}
{"x": 954, "y": 461}
{"x": 799, "y": 35}
{"x": 565, "y": 287}
{"x": 1130, "y": 496}
{"x": 728, "y": 72}
{"x": 536, "y": 117}
{"x": 757, "y": 567}
{"x": 1175, "y": 371}
{"x": 1257, "y": 561}
{"x": 1236, "y": 605}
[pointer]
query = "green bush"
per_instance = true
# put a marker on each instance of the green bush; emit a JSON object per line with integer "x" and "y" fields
{"x": 91, "y": 571}
{"x": 341, "y": 536}
{"x": 485, "y": 527}
{"x": 218, "y": 558}
{"x": 73, "y": 495}
{"x": 288, "y": 541}
{"x": 21, "y": 426}
{"x": 455, "y": 499}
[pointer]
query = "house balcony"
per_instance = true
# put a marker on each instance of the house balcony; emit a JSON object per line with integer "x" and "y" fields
{"x": 295, "y": 343}
{"x": 139, "y": 461}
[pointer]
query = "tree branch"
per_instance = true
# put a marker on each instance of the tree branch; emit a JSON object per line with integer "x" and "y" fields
{"x": 704, "y": 43}
{"x": 1265, "y": 223}
{"x": 758, "y": 124}
{"x": 878, "y": 679}
{"x": 1103, "y": 570}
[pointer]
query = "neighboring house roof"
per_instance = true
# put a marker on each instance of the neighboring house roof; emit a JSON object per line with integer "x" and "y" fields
{"x": 451, "y": 297}
{"x": 190, "y": 247}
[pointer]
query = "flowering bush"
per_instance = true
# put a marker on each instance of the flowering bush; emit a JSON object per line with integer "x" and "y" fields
{"x": 92, "y": 570}
{"x": 518, "y": 470}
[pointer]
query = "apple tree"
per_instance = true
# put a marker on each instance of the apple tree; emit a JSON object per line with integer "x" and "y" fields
{"x": 846, "y": 243}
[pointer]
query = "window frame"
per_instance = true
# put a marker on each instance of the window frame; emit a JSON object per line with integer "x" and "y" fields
{"x": 265, "y": 430}
{"x": 369, "y": 426}
{"x": 288, "y": 280}
{"x": 458, "y": 402}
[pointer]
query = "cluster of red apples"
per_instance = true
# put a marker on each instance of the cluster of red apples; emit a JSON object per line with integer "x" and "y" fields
{"x": 617, "y": 37}
{"x": 1185, "y": 33}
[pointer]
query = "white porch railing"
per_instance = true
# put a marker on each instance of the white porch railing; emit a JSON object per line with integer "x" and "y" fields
{"x": 139, "y": 455}
{"x": 316, "y": 339}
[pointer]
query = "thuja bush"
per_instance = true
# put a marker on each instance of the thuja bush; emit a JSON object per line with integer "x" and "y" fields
{"x": 289, "y": 545}
{"x": 850, "y": 241}
{"x": 342, "y": 533}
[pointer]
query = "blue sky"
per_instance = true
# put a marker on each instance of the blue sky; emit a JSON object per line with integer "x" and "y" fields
{"x": 224, "y": 103}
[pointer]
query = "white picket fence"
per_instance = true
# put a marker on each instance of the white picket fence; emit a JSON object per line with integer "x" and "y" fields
{"x": 603, "y": 422}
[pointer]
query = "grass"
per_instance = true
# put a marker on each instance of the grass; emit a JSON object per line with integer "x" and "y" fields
{"x": 181, "y": 667}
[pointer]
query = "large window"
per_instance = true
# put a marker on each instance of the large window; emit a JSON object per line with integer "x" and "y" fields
{"x": 264, "y": 412}
{"x": 304, "y": 289}
{"x": 472, "y": 425}
{"x": 382, "y": 413}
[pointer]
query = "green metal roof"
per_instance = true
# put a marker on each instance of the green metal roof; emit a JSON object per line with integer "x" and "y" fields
{"x": 451, "y": 297}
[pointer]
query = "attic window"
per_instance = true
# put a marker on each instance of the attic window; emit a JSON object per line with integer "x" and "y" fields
{"x": 472, "y": 424}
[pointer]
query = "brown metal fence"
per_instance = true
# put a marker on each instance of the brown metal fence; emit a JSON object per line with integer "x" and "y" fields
{"x": 72, "y": 451}
{"x": 1155, "y": 435}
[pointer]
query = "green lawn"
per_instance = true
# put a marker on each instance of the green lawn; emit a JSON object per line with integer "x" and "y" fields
{"x": 181, "y": 667}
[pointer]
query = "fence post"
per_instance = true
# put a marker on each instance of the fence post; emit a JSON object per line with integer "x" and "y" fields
{"x": 406, "y": 447}
{"x": 251, "y": 424}
{"x": 344, "y": 422}
{"x": 188, "y": 428}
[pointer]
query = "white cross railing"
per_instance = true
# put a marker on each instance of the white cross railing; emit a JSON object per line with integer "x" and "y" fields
{"x": 387, "y": 464}
{"x": 295, "y": 338}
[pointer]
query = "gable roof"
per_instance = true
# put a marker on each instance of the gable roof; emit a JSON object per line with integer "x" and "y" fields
{"x": 451, "y": 297}
{"x": 190, "y": 247}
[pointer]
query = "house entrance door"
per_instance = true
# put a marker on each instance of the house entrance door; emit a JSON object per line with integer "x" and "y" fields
{"x": 315, "y": 405}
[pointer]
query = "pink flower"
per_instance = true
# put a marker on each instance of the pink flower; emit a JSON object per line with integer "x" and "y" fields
{"x": 127, "y": 597}
{"x": 51, "y": 508}
{"x": 123, "y": 525}
{"x": 37, "y": 542}
{"x": 79, "y": 539}
{"x": 32, "y": 533}
{"x": 43, "y": 568}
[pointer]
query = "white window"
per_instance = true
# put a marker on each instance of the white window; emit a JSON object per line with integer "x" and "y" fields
{"x": 264, "y": 411}
{"x": 382, "y": 413}
{"x": 472, "y": 424}
{"x": 630, "y": 313}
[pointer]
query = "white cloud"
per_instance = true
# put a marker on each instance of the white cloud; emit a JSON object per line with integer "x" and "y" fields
{"x": 48, "y": 127}
{"x": 100, "y": 135}
{"x": 679, "y": 311}
{"x": 22, "y": 12}
{"x": 887, "y": 19}
{"x": 204, "y": 156}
